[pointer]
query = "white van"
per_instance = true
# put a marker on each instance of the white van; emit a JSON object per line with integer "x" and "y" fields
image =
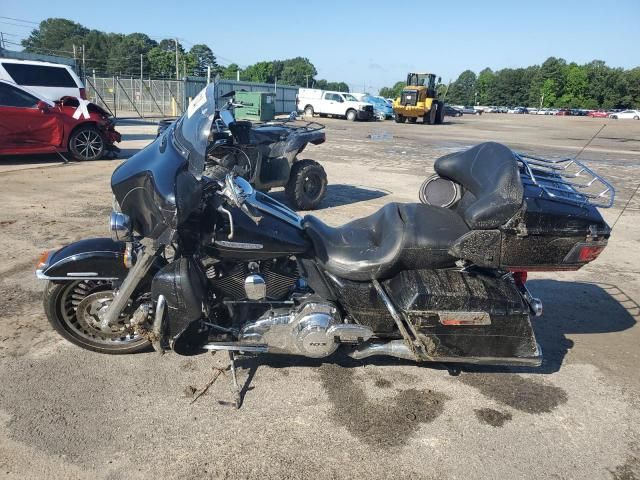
{"x": 315, "y": 101}
{"x": 50, "y": 80}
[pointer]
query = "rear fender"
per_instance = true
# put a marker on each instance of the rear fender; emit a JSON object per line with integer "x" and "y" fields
{"x": 90, "y": 259}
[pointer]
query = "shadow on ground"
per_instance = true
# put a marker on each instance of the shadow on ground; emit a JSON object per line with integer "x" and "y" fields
{"x": 570, "y": 308}
{"x": 339, "y": 195}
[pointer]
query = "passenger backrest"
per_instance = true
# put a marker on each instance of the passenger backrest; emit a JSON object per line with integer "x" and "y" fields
{"x": 489, "y": 171}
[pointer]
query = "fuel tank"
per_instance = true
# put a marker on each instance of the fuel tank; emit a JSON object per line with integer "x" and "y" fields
{"x": 271, "y": 237}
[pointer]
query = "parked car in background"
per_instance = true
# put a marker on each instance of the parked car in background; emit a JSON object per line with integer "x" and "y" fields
{"x": 598, "y": 114}
{"x": 471, "y": 110}
{"x": 322, "y": 102}
{"x": 451, "y": 111}
{"x": 563, "y": 112}
{"x": 518, "y": 110}
{"x": 532, "y": 110}
{"x": 626, "y": 114}
{"x": 31, "y": 123}
{"x": 381, "y": 108}
{"x": 493, "y": 110}
{"x": 49, "y": 80}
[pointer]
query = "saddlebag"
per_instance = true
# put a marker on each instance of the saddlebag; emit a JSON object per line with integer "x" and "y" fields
{"x": 464, "y": 316}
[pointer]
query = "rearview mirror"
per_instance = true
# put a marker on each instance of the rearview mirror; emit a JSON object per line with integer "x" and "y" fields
{"x": 42, "y": 106}
{"x": 227, "y": 117}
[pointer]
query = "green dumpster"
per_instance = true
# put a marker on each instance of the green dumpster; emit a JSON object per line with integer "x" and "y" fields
{"x": 256, "y": 106}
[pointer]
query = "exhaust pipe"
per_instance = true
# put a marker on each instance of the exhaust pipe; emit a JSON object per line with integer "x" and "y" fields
{"x": 399, "y": 349}
{"x": 394, "y": 348}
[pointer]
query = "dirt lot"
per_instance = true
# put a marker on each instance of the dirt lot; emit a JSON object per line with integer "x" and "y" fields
{"x": 70, "y": 413}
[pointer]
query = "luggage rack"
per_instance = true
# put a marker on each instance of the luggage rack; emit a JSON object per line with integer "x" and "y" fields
{"x": 567, "y": 180}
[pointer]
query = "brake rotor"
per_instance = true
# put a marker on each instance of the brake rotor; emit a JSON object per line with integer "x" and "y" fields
{"x": 93, "y": 307}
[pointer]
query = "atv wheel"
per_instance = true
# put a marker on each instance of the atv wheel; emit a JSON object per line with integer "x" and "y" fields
{"x": 86, "y": 143}
{"x": 307, "y": 185}
{"x": 412, "y": 119}
{"x": 400, "y": 118}
{"x": 352, "y": 115}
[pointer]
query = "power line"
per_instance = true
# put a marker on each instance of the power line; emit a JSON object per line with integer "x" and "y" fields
{"x": 20, "y": 20}
{"x": 16, "y": 25}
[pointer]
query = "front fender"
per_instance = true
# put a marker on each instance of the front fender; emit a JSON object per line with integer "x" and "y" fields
{"x": 90, "y": 259}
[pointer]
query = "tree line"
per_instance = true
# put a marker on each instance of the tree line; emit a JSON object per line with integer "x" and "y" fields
{"x": 136, "y": 53}
{"x": 555, "y": 83}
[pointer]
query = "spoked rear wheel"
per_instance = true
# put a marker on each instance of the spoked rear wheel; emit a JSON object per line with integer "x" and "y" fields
{"x": 74, "y": 310}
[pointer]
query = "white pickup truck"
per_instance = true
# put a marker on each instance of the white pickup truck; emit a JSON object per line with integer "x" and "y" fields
{"x": 323, "y": 102}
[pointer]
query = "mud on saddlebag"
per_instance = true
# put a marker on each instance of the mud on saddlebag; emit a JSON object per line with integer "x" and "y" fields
{"x": 464, "y": 316}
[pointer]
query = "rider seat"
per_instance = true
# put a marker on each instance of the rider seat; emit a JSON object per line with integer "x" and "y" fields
{"x": 416, "y": 236}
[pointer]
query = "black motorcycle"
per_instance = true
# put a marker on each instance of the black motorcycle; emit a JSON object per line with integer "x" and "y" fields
{"x": 198, "y": 263}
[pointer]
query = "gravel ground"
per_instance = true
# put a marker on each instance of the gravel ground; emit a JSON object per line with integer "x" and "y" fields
{"x": 70, "y": 413}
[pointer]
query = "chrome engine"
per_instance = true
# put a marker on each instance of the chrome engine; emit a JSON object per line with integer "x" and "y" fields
{"x": 273, "y": 279}
{"x": 313, "y": 329}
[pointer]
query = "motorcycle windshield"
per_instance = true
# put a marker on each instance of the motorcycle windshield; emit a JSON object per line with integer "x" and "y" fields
{"x": 194, "y": 128}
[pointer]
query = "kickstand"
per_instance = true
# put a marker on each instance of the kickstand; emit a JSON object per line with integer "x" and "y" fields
{"x": 236, "y": 387}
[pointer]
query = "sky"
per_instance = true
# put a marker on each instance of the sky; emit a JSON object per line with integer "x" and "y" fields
{"x": 368, "y": 44}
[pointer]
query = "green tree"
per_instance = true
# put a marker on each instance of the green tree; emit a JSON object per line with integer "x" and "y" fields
{"x": 463, "y": 90}
{"x": 230, "y": 72}
{"x": 124, "y": 57}
{"x": 548, "y": 93}
{"x": 485, "y": 86}
{"x": 575, "y": 87}
{"x": 392, "y": 92}
{"x": 204, "y": 59}
{"x": 295, "y": 71}
{"x": 55, "y": 35}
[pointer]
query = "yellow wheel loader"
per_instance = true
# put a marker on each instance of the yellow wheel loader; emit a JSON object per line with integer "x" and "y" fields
{"x": 419, "y": 100}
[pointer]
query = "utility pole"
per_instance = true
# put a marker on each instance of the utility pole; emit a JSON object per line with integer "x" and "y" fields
{"x": 184, "y": 67}
{"x": 307, "y": 77}
{"x": 208, "y": 74}
{"x": 238, "y": 75}
{"x": 75, "y": 64}
{"x": 1, "y": 40}
{"x": 177, "y": 64}
{"x": 141, "y": 80}
{"x": 84, "y": 72}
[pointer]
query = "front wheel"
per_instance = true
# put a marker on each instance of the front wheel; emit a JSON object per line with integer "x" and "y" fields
{"x": 636, "y": 117}
{"x": 86, "y": 143}
{"x": 307, "y": 185}
{"x": 352, "y": 115}
{"x": 74, "y": 308}
{"x": 400, "y": 118}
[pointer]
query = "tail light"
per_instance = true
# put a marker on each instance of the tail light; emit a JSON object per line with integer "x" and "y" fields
{"x": 520, "y": 277}
{"x": 83, "y": 93}
{"x": 585, "y": 252}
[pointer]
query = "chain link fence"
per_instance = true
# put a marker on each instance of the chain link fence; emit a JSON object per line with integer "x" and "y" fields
{"x": 126, "y": 97}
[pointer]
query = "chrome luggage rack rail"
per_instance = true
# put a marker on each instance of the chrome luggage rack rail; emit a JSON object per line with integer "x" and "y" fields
{"x": 566, "y": 180}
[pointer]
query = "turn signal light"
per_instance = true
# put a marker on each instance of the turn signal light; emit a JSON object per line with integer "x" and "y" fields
{"x": 42, "y": 260}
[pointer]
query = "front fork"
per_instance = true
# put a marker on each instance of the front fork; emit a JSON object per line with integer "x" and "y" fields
{"x": 137, "y": 272}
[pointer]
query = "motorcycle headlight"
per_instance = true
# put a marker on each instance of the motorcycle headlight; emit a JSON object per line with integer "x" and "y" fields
{"x": 120, "y": 226}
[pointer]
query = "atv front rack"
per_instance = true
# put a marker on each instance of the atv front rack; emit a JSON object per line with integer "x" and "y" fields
{"x": 566, "y": 180}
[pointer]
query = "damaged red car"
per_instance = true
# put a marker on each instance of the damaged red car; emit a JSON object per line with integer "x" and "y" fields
{"x": 30, "y": 124}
